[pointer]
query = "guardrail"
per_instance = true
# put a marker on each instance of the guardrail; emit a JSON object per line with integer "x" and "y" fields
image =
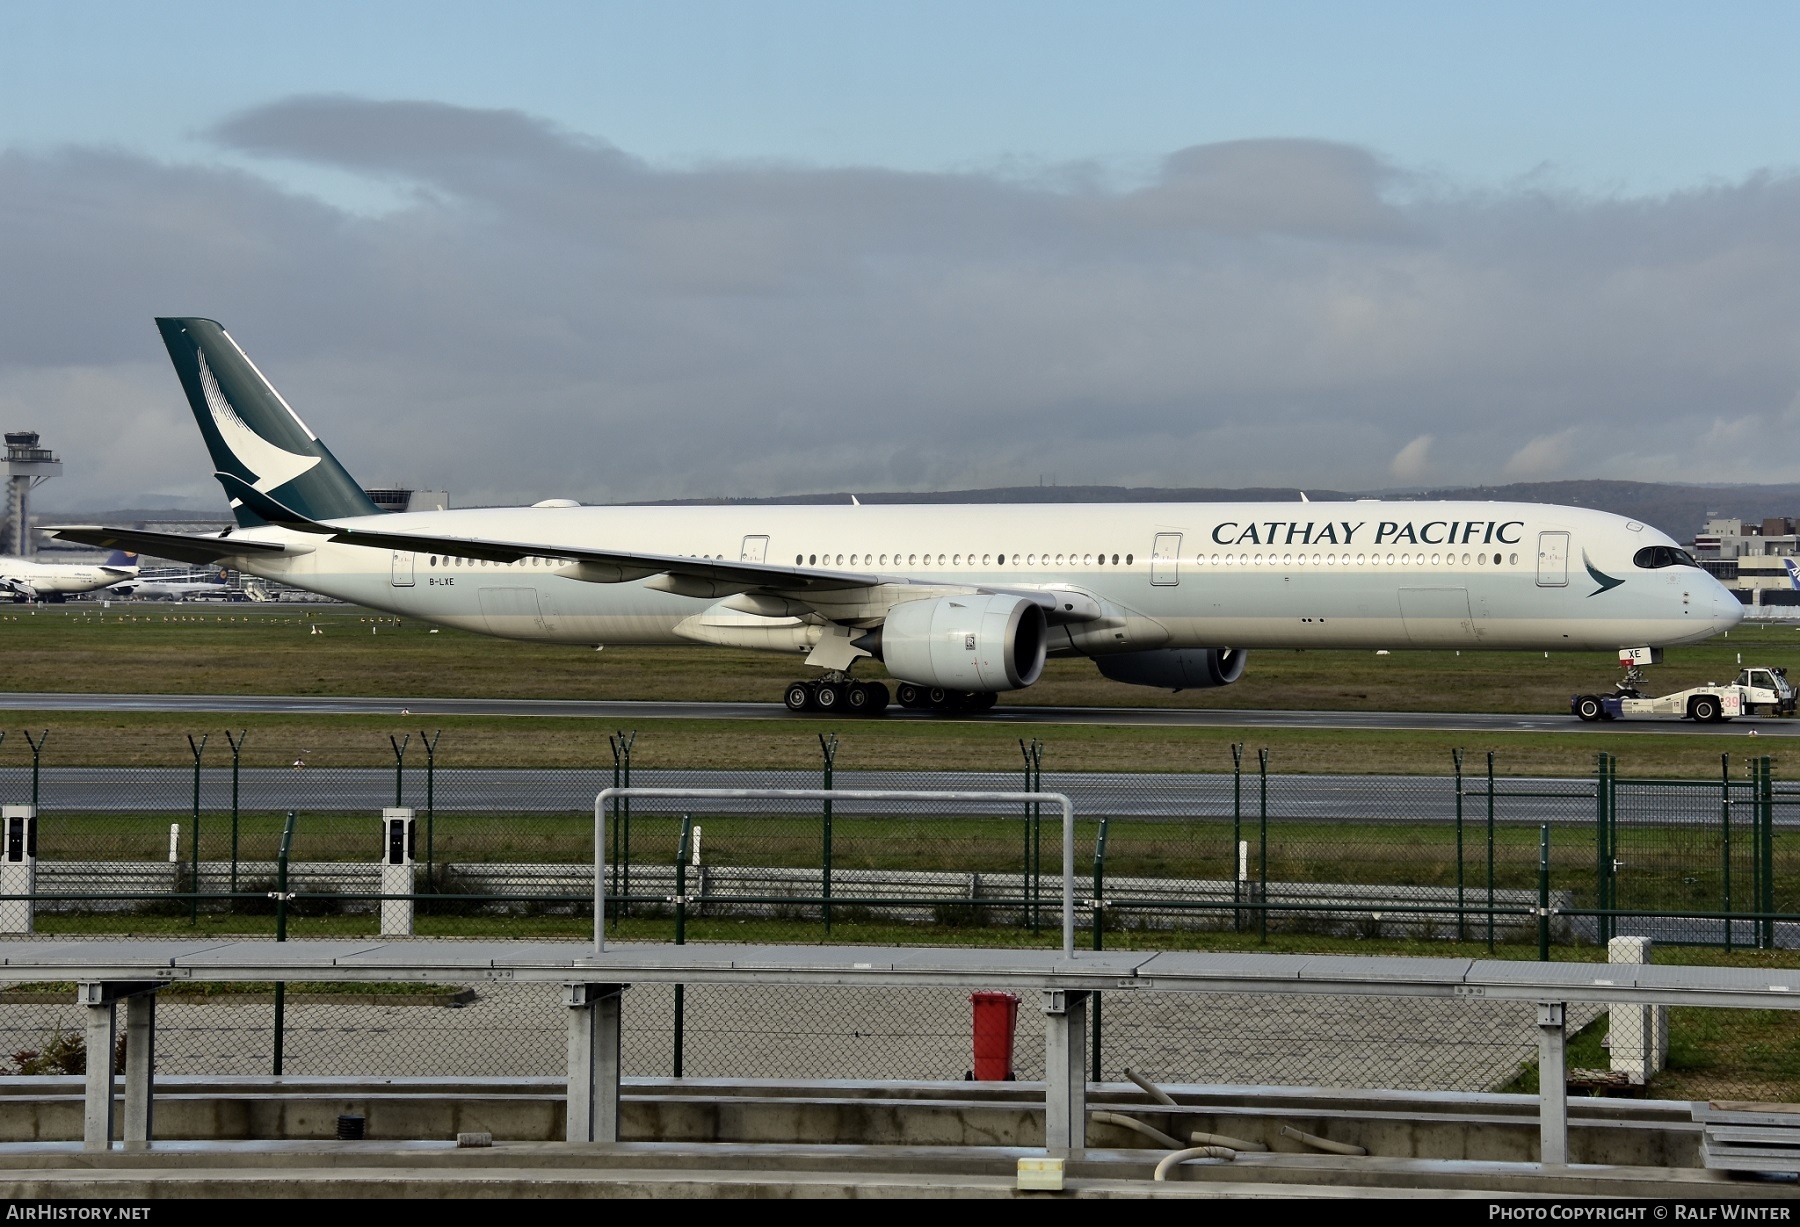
{"x": 133, "y": 971}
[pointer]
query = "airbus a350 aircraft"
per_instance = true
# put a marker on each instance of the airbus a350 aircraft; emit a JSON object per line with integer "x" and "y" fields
{"x": 27, "y": 579}
{"x": 959, "y": 603}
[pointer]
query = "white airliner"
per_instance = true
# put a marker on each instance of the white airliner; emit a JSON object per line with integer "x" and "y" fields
{"x": 27, "y": 579}
{"x": 960, "y": 603}
{"x": 161, "y": 588}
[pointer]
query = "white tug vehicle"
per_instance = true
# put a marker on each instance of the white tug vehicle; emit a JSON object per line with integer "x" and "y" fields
{"x": 1758, "y": 689}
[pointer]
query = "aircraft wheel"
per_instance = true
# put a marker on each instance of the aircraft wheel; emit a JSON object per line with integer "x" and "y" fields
{"x": 911, "y": 697}
{"x": 1588, "y": 708}
{"x": 982, "y": 700}
{"x": 829, "y": 697}
{"x": 878, "y": 698}
{"x": 856, "y": 698}
{"x": 798, "y": 696}
{"x": 939, "y": 699}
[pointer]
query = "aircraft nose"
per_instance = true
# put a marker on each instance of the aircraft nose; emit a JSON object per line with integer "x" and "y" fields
{"x": 1727, "y": 610}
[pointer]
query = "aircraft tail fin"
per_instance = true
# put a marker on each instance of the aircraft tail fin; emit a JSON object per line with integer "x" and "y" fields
{"x": 250, "y": 430}
{"x": 122, "y": 558}
{"x": 1793, "y": 571}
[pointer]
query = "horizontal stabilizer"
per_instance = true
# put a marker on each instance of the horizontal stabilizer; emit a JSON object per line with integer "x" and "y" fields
{"x": 179, "y": 546}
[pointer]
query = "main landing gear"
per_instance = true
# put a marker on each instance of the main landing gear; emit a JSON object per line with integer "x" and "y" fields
{"x": 936, "y": 698}
{"x": 840, "y": 694}
{"x": 837, "y": 694}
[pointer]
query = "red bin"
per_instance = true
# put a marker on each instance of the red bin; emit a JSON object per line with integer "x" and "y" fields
{"x": 996, "y": 1018}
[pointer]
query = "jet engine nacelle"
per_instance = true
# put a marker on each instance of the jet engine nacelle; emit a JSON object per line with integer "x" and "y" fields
{"x": 965, "y": 642}
{"x": 1176, "y": 668}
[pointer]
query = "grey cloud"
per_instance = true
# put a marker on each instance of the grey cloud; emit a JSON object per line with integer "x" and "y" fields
{"x": 428, "y": 139}
{"x": 549, "y": 315}
{"x": 1264, "y": 186}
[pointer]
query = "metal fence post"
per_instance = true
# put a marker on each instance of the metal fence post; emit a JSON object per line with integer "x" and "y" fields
{"x": 1612, "y": 842}
{"x": 1765, "y": 795}
{"x": 1033, "y": 752}
{"x": 1462, "y": 930}
{"x": 194, "y": 878}
{"x": 828, "y": 744}
{"x": 1099, "y": 930}
{"x": 399, "y": 765}
{"x": 1725, "y": 844}
{"x": 37, "y": 752}
{"x": 430, "y": 744}
{"x": 237, "y": 751}
{"x": 1237, "y": 836}
{"x": 1604, "y": 852}
{"x": 681, "y": 860}
{"x": 1490, "y": 851}
{"x": 1262, "y": 860}
{"x": 1543, "y": 908}
{"x": 281, "y": 902}
{"x": 621, "y": 823}
{"x": 1754, "y": 784}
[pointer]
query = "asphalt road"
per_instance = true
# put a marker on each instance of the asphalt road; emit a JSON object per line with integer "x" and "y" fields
{"x": 1142, "y": 717}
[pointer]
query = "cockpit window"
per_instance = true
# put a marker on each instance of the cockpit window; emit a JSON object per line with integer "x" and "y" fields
{"x": 1651, "y": 557}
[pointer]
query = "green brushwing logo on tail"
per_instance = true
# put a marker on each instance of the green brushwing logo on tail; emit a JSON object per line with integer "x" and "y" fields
{"x": 252, "y": 433}
{"x": 1607, "y": 583}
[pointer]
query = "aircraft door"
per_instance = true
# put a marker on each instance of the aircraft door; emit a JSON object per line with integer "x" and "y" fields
{"x": 1553, "y": 560}
{"x": 401, "y": 576}
{"x": 756, "y": 549}
{"x": 1165, "y": 560}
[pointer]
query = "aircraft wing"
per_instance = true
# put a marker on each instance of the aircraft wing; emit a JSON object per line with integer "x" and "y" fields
{"x": 178, "y": 546}
{"x": 598, "y": 566}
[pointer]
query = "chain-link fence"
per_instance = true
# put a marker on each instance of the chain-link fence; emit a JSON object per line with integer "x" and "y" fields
{"x": 1474, "y": 859}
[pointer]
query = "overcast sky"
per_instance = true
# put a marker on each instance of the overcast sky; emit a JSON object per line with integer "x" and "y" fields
{"x": 640, "y": 251}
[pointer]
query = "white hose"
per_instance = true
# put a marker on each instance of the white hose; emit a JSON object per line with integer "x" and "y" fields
{"x": 1137, "y": 1126}
{"x": 1170, "y": 1161}
{"x": 1324, "y": 1144}
{"x": 1150, "y": 1088}
{"x": 1220, "y": 1139}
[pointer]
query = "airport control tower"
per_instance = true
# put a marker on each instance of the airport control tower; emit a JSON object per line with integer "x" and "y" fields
{"x": 27, "y": 467}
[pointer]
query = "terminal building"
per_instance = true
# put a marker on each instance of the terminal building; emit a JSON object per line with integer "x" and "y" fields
{"x": 1750, "y": 557}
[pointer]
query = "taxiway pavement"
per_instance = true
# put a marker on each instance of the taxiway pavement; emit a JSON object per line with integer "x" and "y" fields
{"x": 632, "y": 710}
